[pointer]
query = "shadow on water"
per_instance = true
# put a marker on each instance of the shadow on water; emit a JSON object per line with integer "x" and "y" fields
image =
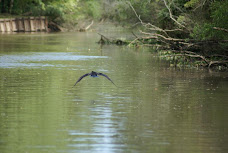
{"x": 154, "y": 109}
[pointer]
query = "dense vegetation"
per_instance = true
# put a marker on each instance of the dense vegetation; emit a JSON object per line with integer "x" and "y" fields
{"x": 67, "y": 12}
{"x": 195, "y": 28}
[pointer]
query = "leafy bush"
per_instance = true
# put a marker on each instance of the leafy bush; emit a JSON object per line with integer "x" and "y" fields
{"x": 91, "y": 9}
{"x": 54, "y": 11}
{"x": 218, "y": 18}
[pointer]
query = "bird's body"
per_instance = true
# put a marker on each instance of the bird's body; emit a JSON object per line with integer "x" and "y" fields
{"x": 93, "y": 74}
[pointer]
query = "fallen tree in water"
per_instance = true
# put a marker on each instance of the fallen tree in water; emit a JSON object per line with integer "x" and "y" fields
{"x": 86, "y": 28}
{"x": 183, "y": 36}
{"x": 105, "y": 40}
{"x": 53, "y": 27}
{"x": 210, "y": 52}
{"x": 168, "y": 48}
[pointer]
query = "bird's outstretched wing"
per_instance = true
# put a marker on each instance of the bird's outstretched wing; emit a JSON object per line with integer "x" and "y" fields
{"x": 106, "y": 77}
{"x": 82, "y": 77}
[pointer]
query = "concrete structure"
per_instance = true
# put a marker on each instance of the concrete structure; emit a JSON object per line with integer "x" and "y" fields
{"x": 28, "y": 24}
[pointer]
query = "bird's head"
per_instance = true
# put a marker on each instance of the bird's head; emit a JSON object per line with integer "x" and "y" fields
{"x": 93, "y": 73}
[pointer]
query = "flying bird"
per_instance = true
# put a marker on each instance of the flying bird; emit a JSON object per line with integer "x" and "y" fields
{"x": 94, "y": 74}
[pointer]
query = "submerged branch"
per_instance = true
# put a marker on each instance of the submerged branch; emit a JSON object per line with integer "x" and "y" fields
{"x": 209, "y": 61}
{"x": 105, "y": 40}
{"x": 89, "y": 26}
{"x": 86, "y": 28}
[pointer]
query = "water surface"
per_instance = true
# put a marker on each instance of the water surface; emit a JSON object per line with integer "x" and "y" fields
{"x": 154, "y": 109}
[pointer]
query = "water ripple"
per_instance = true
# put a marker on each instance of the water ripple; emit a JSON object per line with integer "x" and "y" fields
{"x": 33, "y": 59}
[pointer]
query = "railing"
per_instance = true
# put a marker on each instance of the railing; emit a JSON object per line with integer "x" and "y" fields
{"x": 29, "y": 24}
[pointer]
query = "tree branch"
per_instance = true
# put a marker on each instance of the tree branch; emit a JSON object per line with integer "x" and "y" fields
{"x": 89, "y": 25}
{"x": 154, "y": 28}
{"x": 171, "y": 15}
{"x": 221, "y": 29}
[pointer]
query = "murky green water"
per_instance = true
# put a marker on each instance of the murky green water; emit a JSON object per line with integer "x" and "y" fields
{"x": 154, "y": 109}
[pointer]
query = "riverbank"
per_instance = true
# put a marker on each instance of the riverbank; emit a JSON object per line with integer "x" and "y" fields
{"x": 177, "y": 58}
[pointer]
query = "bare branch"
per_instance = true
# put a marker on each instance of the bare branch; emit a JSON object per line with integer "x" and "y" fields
{"x": 147, "y": 25}
{"x": 171, "y": 15}
{"x": 89, "y": 25}
{"x": 221, "y": 29}
{"x": 133, "y": 41}
{"x": 138, "y": 16}
{"x": 195, "y": 55}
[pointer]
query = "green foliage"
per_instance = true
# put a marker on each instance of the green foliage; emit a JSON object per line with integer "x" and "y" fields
{"x": 219, "y": 14}
{"x": 164, "y": 20}
{"x": 219, "y": 18}
{"x": 91, "y": 9}
{"x": 121, "y": 11}
{"x": 203, "y": 32}
{"x": 118, "y": 11}
{"x": 59, "y": 11}
{"x": 178, "y": 11}
{"x": 199, "y": 16}
{"x": 62, "y": 12}
{"x": 54, "y": 11}
{"x": 36, "y": 8}
{"x": 191, "y": 3}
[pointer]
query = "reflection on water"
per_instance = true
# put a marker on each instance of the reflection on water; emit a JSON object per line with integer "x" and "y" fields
{"x": 154, "y": 109}
{"x": 28, "y": 60}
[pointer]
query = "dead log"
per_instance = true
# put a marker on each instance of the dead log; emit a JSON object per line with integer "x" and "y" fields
{"x": 105, "y": 40}
{"x": 53, "y": 27}
{"x": 86, "y": 28}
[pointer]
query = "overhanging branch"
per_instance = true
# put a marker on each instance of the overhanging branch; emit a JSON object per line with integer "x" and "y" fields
{"x": 171, "y": 15}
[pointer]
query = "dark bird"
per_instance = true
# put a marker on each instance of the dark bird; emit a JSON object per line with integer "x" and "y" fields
{"x": 94, "y": 74}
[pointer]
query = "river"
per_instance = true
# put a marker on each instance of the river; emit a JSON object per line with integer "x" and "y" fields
{"x": 154, "y": 108}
